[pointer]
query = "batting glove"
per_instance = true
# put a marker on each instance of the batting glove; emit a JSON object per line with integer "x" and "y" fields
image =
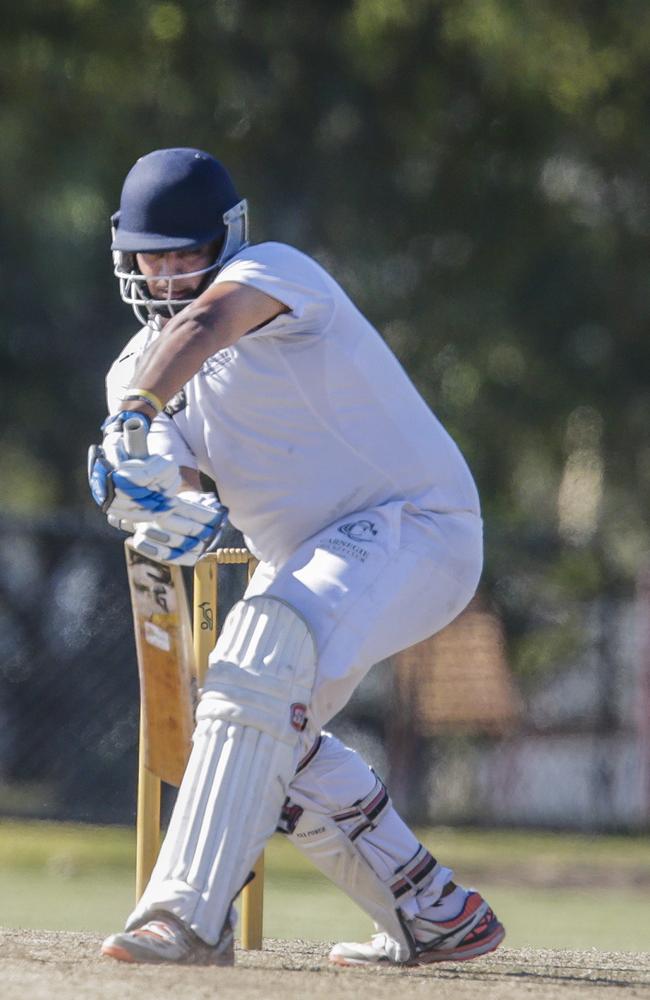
{"x": 129, "y": 490}
{"x": 182, "y": 536}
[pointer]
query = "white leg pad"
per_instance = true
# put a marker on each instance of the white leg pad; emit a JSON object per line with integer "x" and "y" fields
{"x": 246, "y": 745}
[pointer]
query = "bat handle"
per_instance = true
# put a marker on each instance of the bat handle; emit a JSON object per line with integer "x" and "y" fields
{"x": 135, "y": 437}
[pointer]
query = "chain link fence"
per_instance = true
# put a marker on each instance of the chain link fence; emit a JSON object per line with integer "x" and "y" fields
{"x": 456, "y": 736}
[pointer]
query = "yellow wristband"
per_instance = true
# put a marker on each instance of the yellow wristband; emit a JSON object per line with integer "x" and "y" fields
{"x": 144, "y": 394}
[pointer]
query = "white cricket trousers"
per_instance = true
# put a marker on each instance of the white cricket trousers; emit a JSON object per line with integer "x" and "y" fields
{"x": 373, "y": 583}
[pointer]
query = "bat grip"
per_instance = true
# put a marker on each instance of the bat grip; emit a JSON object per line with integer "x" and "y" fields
{"x": 134, "y": 430}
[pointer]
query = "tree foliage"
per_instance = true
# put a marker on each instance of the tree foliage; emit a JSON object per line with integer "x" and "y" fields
{"x": 473, "y": 171}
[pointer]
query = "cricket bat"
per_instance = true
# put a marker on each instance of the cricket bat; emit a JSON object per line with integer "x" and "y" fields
{"x": 163, "y": 640}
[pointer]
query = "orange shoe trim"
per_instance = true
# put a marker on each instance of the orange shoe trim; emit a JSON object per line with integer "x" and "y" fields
{"x": 114, "y": 951}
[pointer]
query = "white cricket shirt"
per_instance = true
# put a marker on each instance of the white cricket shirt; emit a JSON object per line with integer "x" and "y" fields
{"x": 307, "y": 419}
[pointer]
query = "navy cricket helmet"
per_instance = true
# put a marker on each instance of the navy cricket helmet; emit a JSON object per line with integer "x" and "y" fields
{"x": 174, "y": 199}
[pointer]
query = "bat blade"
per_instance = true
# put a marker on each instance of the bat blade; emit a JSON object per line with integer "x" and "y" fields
{"x": 165, "y": 663}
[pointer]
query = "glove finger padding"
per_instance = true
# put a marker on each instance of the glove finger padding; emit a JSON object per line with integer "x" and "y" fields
{"x": 145, "y": 486}
{"x": 138, "y": 489}
{"x": 182, "y": 535}
{"x": 121, "y": 523}
{"x": 127, "y": 483}
{"x": 197, "y": 506}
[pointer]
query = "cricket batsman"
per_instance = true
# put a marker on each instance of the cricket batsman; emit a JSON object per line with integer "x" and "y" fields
{"x": 254, "y": 367}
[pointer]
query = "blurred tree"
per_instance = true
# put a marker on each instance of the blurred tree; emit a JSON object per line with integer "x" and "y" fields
{"x": 473, "y": 171}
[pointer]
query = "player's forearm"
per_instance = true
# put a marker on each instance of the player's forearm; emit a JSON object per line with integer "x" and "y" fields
{"x": 218, "y": 318}
{"x": 178, "y": 355}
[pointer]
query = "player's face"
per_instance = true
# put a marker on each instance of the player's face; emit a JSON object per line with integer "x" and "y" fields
{"x": 165, "y": 272}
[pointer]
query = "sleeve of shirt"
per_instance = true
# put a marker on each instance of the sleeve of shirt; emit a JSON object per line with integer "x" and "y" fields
{"x": 119, "y": 377}
{"x": 164, "y": 437}
{"x": 122, "y": 371}
{"x": 289, "y": 276}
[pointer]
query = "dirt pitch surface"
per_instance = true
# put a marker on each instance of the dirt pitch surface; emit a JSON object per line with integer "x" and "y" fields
{"x": 40, "y": 965}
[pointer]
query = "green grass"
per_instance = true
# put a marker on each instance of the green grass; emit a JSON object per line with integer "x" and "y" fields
{"x": 64, "y": 877}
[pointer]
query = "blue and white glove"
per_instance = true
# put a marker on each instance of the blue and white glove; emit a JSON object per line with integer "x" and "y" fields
{"x": 182, "y": 535}
{"x": 138, "y": 494}
{"x": 130, "y": 490}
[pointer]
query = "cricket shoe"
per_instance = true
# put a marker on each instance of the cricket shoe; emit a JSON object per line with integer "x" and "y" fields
{"x": 472, "y": 932}
{"x": 165, "y": 938}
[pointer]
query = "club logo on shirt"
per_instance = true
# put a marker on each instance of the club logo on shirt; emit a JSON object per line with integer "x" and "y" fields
{"x": 214, "y": 364}
{"x": 359, "y": 531}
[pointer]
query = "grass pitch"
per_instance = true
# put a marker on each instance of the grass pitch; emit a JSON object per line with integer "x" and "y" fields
{"x": 550, "y": 890}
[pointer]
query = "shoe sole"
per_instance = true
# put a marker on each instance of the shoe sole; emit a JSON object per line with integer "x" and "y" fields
{"x": 456, "y": 955}
{"x": 348, "y": 963}
{"x": 121, "y": 954}
{"x": 135, "y": 955}
{"x": 468, "y": 952}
